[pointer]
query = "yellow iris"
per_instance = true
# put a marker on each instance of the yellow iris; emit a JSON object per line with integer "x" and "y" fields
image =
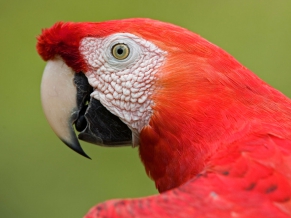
{"x": 120, "y": 51}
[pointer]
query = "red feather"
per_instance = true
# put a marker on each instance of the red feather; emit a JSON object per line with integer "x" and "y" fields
{"x": 219, "y": 141}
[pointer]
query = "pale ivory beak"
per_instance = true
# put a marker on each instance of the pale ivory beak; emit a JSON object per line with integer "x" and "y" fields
{"x": 59, "y": 101}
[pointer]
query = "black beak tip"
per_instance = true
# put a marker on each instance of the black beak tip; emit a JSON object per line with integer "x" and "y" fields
{"x": 75, "y": 146}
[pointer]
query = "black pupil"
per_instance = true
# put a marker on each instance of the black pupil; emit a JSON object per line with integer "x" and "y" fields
{"x": 120, "y": 50}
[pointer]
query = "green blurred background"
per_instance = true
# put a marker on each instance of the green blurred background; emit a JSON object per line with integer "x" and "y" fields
{"x": 41, "y": 177}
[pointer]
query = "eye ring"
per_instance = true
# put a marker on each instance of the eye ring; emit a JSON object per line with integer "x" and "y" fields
{"x": 120, "y": 51}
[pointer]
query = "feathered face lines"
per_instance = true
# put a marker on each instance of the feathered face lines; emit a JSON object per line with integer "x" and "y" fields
{"x": 123, "y": 79}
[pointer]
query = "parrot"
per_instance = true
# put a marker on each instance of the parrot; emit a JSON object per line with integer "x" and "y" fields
{"x": 212, "y": 135}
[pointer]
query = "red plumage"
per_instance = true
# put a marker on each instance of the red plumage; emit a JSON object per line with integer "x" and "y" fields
{"x": 219, "y": 141}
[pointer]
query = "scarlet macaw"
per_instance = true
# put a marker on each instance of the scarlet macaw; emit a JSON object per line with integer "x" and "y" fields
{"x": 214, "y": 137}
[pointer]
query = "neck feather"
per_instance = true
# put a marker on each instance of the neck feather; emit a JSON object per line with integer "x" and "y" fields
{"x": 192, "y": 122}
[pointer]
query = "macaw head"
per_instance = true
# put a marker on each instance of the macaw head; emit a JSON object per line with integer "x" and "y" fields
{"x": 144, "y": 82}
{"x": 102, "y": 76}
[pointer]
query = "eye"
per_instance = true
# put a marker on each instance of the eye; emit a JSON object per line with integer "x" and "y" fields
{"x": 120, "y": 51}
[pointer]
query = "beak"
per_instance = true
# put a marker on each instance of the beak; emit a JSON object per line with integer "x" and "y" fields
{"x": 66, "y": 102}
{"x": 58, "y": 95}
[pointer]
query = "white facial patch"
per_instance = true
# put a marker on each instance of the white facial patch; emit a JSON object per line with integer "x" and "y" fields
{"x": 123, "y": 86}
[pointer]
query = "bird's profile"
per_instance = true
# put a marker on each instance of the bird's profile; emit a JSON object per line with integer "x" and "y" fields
{"x": 214, "y": 137}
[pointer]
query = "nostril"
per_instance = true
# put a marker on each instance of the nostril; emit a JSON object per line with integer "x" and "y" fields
{"x": 81, "y": 122}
